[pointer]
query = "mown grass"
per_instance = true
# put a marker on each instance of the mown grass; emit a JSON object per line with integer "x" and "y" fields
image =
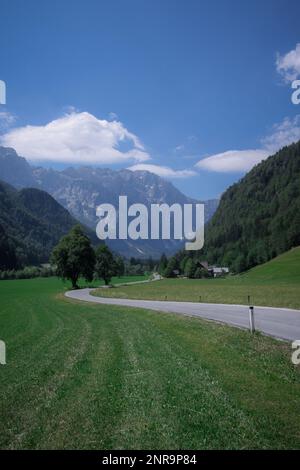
{"x": 114, "y": 281}
{"x": 103, "y": 377}
{"x": 276, "y": 284}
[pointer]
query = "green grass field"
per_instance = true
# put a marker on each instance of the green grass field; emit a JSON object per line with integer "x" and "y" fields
{"x": 276, "y": 283}
{"x": 114, "y": 281}
{"x": 103, "y": 377}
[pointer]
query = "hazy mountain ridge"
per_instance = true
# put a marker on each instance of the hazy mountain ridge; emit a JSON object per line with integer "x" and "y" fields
{"x": 80, "y": 190}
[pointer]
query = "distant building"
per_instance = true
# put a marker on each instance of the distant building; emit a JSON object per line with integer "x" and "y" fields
{"x": 219, "y": 271}
{"x": 204, "y": 264}
{"x": 214, "y": 271}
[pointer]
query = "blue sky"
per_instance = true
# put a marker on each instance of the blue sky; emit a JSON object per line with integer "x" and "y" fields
{"x": 168, "y": 83}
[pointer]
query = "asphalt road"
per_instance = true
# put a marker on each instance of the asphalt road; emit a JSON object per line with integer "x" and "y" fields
{"x": 283, "y": 323}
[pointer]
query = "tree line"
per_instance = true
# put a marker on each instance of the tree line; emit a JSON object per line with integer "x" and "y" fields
{"x": 183, "y": 263}
{"x": 74, "y": 257}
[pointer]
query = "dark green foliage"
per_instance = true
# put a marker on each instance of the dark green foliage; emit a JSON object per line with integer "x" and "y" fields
{"x": 201, "y": 273}
{"x": 106, "y": 266}
{"x": 182, "y": 263}
{"x": 259, "y": 217}
{"x": 119, "y": 266}
{"x": 29, "y": 272}
{"x": 74, "y": 257}
{"x": 150, "y": 263}
{"x": 162, "y": 264}
{"x": 171, "y": 267}
{"x": 8, "y": 259}
{"x": 139, "y": 268}
{"x": 190, "y": 268}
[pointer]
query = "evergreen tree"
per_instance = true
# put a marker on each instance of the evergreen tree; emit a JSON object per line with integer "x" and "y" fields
{"x": 162, "y": 264}
{"x": 105, "y": 267}
{"x": 171, "y": 267}
{"x": 120, "y": 266}
{"x": 190, "y": 268}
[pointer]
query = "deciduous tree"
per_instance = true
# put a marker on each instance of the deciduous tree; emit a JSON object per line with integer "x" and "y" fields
{"x": 74, "y": 256}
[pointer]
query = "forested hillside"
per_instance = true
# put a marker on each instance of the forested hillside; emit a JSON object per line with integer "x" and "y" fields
{"x": 259, "y": 217}
{"x": 31, "y": 224}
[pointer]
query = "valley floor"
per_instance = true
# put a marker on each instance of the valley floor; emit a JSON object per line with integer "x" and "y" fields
{"x": 82, "y": 376}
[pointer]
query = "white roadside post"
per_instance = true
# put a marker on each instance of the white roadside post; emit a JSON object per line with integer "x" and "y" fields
{"x": 251, "y": 319}
{"x": 251, "y": 316}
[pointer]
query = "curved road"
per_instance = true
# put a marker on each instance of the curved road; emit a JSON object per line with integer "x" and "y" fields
{"x": 283, "y": 323}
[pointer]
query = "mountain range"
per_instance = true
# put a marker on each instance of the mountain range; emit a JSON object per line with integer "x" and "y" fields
{"x": 81, "y": 190}
{"x": 257, "y": 218}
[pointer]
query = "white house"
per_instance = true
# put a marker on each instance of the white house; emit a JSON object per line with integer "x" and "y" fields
{"x": 219, "y": 271}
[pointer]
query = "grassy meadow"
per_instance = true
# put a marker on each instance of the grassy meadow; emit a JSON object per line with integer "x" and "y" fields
{"x": 276, "y": 283}
{"x": 81, "y": 376}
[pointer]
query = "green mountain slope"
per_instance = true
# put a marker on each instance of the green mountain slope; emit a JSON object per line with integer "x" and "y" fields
{"x": 283, "y": 268}
{"x": 259, "y": 217}
{"x": 31, "y": 224}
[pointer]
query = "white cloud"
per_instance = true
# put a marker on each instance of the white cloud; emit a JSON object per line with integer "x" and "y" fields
{"x": 163, "y": 171}
{"x": 6, "y": 120}
{"x": 69, "y": 109}
{"x": 231, "y": 161}
{"x": 77, "y": 137}
{"x": 284, "y": 133}
{"x": 113, "y": 116}
{"x": 179, "y": 148}
{"x": 288, "y": 65}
